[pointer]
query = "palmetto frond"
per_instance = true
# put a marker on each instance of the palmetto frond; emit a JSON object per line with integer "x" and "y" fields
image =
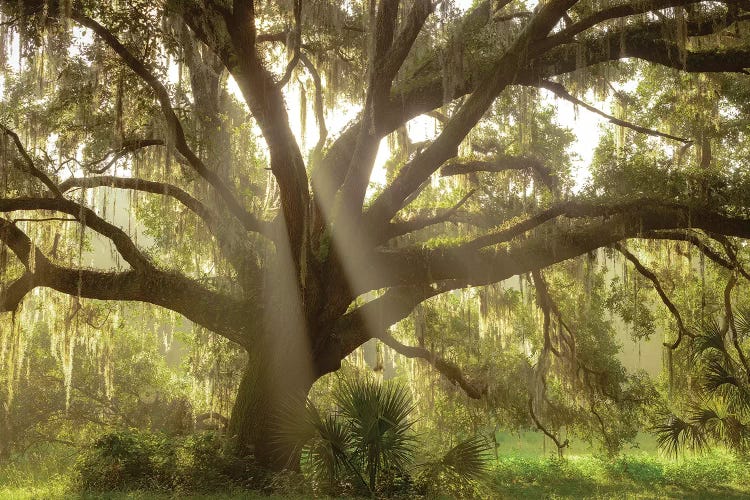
{"x": 329, "y": 451}
{"x": 293, "y": 432}
{"x": 378, "y": 415}
{"x": 717, "y": 375}
{"x": 721, "y": 425}
{"x": 674, "y": 434}
{"x": 710, "y": 338}
{"x": 742, "y": 322}
{"x": 467, "y": 460}
{"x": 463, "y": 463}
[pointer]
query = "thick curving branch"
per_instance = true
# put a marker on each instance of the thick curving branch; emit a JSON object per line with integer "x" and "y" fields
{"x": 248, "y": 220}
{"x": 229, "y": 237}
{"x": 145, "y": 186}
{"x": 12, "y": 295}
{"x": 28, "y": 163}
{"x": 559, "y": 90}
{"x": 444, "y": 147}
{"x": 231, "y": 34}
{"x": 389, "y": 50}
{"x": 424, "y": 89}
{"x": 219, "y": 313}
{"x": 682, "y": 331}
{"x": 87, "y": 218}
{"x": 600, "y": 225}
{"x": 450, "y": 370}
{"x": 567, "y": 34}
{"x": 502, "y": 163}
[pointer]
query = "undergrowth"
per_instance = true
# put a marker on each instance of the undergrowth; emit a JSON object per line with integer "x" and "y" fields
{"x": 119, "y": 467}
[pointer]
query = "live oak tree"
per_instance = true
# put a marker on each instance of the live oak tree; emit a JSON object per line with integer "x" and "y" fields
{"x": 311, "y": 265}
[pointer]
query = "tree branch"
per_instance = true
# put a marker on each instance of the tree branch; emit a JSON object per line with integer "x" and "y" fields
{"x": 450, "y": 370}
{"x": 136, "y": 184}
{"x": 618, "y": 11}
{"x": 87, "y": 218}
{"x": 560, "y": 445}
{"x": 701, "y": 245}
{"x": 219, "y": 313}
{"x": 319, "y": 108}
{"x": 560, "y": 91}
{"x": 231, "y": 242}
{"x": 414, "y": 173}
{"x": 126, "y": 148}
{"x": 400, "y": 228}
{"x": 173, "y": 122}
{"x": 681, "y": 330}
{"x": 29, "y": 163}
{"x": 549, "y": 244}
{"x": 502, "y": 163}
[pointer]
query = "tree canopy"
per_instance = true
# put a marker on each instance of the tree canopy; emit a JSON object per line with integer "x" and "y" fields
{"x": 282, "y": 240}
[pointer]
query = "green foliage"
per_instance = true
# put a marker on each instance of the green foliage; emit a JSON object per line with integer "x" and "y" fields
{"x": 127, "y": 460}
{"x": 718, "y": 475}
{"x": 366, "y": 438}
{"x": 460, "y": 472}
{"x": 717, "y": 410}
{"x": 378, "y": 418}
{"x": 366, "y": 445}
{"x": 135, "y": 460}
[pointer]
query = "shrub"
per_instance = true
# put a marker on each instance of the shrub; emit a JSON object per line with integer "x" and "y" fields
{"x": 125, "y": 460}
{"x": 133, "y": 460}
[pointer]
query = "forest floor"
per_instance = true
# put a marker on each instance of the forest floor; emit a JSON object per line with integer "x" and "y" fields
{"x": 644, "y": 475}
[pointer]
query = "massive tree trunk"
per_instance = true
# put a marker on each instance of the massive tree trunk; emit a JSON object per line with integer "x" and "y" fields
{"x": 266, "y": 398}
{"x": 278, "y": 376}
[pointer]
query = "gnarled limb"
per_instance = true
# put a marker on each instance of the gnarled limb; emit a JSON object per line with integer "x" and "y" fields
{"x": 231, "y": 34}
{"x": 145, "y": 186}
{"x": 173, "y": 122}
{"x": 220, "y": 313}
{"x": 417, "y": 171}
{"x": 230, "y": 239}
{"x": 388, "y": 54}
{"x": 682, "y": 331}
{"x": 559, "y": 90}
{"x": 560, "y": 444}
{"x": 12, "y": 295}
{"x": 550, "y": 244}
{"x": 502, "y": 163}
{"x": 731, "y": 252}
{"x": 29, "y": 163}
{"x": 449, "y": 369}
{"x": 86, "y": 217}
{"x": 567, "y": 34}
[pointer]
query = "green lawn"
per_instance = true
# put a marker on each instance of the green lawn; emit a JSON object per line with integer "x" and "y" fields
{"x": 632, "y": 476}
{"x": 642, "y": 475}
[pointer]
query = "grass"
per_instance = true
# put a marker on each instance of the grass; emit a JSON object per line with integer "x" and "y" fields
{"x": 641, "y": 475}
{"x": 718, "y": 475}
